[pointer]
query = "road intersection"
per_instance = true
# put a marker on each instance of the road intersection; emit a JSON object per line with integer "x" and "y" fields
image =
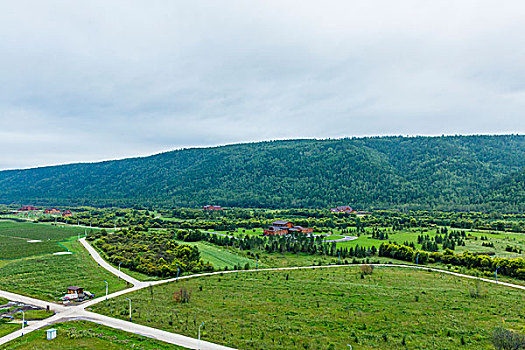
{"x": 78, "y": 312}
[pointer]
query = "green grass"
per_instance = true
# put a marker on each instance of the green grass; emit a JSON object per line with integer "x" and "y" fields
{"x": 311, "y": 309}
{"x": 85, "y": 335}
{"x": 6, "y": 328}
{"x": 14, "y": 237}
{"x": 33, "y": 315}
{"x": 332, "y": 237}
{"x": 500, "y": 240}
{"x": 241, "y": 232}
{"x": 47, "y": 276}
{"x": 220, "y": 257}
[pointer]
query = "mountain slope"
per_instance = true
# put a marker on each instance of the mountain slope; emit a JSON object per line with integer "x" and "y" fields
{"x": 459, "y": 172}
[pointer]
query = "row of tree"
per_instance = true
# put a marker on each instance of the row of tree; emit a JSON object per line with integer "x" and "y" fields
{"x": 509, "y": 267}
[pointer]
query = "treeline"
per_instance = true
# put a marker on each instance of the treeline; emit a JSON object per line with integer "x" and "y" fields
{"x": 508, "y": 267}
{"x": 154, "y": 254}
{"x": 466, "y": 173}
{"x": 322, "y": 220}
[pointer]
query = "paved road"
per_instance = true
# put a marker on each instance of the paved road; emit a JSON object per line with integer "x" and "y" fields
{"x": 94, "y": 254}
{"x": 218, "y": 234}
{"x": 65, "y": 313}
{"x": 344, "y": 239}
{"x": 32, "y": 301}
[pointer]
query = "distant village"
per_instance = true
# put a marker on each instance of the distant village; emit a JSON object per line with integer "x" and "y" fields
{"x": 52, "y": 211}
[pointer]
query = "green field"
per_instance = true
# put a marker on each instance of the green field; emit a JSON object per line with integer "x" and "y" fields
{"x": 47, "y": 276}
{"x": 6, "y": 328}
{"x": 331, "y": 237}
{"x": 499, "y": 239}
{"x": 327, "y": 308}
{"x": 14, "y": 237}
{"x": 220, "y": 257}
{"x": 85, "y": 335}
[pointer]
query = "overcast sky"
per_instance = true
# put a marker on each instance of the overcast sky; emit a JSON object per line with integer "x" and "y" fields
{"x": 94, "y": 80}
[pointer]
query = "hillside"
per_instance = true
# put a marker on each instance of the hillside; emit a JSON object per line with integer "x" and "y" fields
{"x": 454, "y": 172}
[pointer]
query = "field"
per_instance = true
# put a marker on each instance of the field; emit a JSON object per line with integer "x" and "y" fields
{"x": 474, "y": 243}
{"x": 14, "y": 237}
{"x": 85, "y": 335}
{"x": 6, "y": 328}
{"x": 47, "y": 276}
{"x": 327, "y": 308}
{"x": 219, "y": 257}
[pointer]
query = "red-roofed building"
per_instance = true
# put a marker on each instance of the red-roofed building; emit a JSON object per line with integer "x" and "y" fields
{"x": 281, "y": 227}
{"x": 67, "y": 213}
{"x": 342, "y": 209}
{"x": 212, "y": 207}
{"x": 28, "y": 208}
{"x": 52, "y": 211}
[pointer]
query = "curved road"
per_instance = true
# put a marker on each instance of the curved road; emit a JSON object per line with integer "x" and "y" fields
{"x": 78, "y": 312}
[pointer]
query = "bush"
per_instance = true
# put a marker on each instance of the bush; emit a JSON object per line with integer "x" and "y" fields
{"x": 476, "y": 292}
{"x": 182, "y": 296}
{"x": 367, "y": 269}
{"x": 507, "y": 340}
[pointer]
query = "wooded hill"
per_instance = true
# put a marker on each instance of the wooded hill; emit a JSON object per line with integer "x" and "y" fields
{"x": 484, "y": 173}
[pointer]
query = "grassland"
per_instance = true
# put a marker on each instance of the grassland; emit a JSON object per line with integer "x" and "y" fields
{"x": 85, "y": 335}
{"x": 14, "y": 237}
{"x": 473, "y": 243}
{"x": 47, "y": 276}
{"x": 220, "y": 257}
{"x": 329, "y": 308}
{"x": 6, "y": 328}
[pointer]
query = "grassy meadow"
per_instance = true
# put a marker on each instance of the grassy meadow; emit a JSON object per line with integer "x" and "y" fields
{"x": 6, "y": 328}
{"x": 14, "y": 237}
{"x": 220, "y": 257}
{"x": 47, "y": 276}
{"x": 85, "y": 335}
{"x": 473, "y": 242}
{"x": 327, "y": 308}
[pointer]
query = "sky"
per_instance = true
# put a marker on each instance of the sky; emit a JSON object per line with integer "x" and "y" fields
{"x": 95, "y": 80}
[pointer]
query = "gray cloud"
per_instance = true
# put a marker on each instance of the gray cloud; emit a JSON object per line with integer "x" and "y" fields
{"x": 101, "y": 80}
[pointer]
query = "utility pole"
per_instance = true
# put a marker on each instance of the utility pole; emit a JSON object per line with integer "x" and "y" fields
{"x": 200, "y": 335}
{"x": 129, "y": 309}
{"x": 107, "y": 287}
{"x": 23, "y": 320}
{"x": 417, "y": 259}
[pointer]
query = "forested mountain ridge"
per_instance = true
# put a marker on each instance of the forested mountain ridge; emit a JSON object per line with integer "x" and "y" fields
{"x": 453, "y": 172}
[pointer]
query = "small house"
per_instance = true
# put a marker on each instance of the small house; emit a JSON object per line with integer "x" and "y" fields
{"x": 212, "y": 207}
{"x": 67, "y": 213}
{"x": 52, "y": 211}
{"x": 282, "y": 227}
{"x": 75, "y": 290}
{"x": 342, "y": 209}
{"x": 27, "y": 208}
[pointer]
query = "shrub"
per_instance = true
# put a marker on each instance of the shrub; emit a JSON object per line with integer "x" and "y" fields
{"x": 182, "y": 296}
{"x": 367, "y": 269}
{"x": 505, "y": 339}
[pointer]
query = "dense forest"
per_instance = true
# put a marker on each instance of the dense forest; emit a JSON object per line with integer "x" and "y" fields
{"x": 483, "y": 173}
